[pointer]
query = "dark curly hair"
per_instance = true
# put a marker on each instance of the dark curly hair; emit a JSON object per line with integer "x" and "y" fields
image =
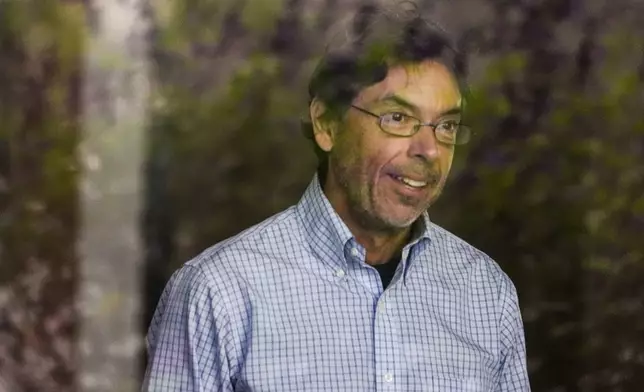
{"x": 361, "y": 53}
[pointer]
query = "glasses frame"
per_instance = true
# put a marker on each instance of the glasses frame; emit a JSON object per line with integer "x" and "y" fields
{"x": 417, "y": 127}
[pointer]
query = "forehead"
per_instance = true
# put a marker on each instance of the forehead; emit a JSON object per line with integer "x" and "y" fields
{"x": 429, "y": 85}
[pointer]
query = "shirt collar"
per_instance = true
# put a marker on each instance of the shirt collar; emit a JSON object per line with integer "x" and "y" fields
{"x": 421, "y": 229}
{"x": 326, "y": 232}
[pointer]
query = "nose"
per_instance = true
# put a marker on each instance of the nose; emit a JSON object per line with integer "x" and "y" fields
{"x": 424, "y": 144}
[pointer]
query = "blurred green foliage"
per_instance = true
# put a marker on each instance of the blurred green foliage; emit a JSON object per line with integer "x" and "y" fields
{"x": 40, "y": 61}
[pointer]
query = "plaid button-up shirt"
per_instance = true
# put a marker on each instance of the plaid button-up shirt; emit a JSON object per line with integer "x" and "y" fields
{"x": 291, "y": 305}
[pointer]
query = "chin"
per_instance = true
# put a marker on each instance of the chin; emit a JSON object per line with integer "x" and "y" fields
{"x": 401, "y": 220}
{"x": 401, "y": 224}
{"x": 397, "y": 216}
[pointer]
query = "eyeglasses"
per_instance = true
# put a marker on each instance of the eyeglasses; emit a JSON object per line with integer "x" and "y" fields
{"x": 400, "y": 124}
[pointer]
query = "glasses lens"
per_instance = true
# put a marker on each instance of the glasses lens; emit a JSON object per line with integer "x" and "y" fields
{"x": 448, "y": 132}
{"x": 400, "y": 127}
{"x": 463, "y": 135}
{"x": 452, "y": 133}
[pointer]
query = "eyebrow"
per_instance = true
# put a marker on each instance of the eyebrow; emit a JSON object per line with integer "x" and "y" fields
{"x": 451, "y": 112}
{"x": 408, "y": 105}
{"x": 400, "y": 101}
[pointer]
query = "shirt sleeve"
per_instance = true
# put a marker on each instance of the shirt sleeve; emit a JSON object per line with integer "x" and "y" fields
{"x": 514, "y": 372}
{"x": 188, "y": 340}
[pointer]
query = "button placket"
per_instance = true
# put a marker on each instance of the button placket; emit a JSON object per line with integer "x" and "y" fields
{"x": 386, "y": 339}
{"x": 381, "y": 307}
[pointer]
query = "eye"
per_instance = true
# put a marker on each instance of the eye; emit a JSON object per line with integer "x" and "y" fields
{"x": 396, "y": 118}
{"x": 447, "y": 127}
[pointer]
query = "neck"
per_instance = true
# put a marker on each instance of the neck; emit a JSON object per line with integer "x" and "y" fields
{"x": 381, "y": 243}
{"x": 380, "y": 247}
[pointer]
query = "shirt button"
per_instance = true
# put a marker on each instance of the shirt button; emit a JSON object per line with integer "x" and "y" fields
{"x": 354, "y": 252}
{"x": 388, "y": 377}
{"x": 339, "y": 273}
{"x": 381, "y": 307}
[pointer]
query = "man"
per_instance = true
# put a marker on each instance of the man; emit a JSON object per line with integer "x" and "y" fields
{"x": 353, "y": 288}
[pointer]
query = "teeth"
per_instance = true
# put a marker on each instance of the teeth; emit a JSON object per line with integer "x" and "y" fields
{"x": 412, "y": 183}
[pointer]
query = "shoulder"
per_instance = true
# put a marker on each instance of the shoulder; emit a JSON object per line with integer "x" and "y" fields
{"x": 477, "y": 267}
{"x": 220, "y": 278}
{"x": 251, "y": 248}
{"x": 235, "y": 269}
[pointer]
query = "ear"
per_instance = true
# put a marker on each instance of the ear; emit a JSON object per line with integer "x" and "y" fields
{"x": 324, "y": 131}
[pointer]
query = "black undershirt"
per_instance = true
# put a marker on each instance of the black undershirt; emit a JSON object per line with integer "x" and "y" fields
{"x": 387, "y": 271}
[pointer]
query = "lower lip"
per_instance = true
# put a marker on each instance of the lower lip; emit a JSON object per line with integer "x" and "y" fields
{"x": 408, "y": 190}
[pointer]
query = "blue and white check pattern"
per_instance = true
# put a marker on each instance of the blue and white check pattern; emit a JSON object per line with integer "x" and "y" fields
{"x": 290, "y": 305}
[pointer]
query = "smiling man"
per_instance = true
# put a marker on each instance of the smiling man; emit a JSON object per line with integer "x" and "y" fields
{"x": 353, "y": 288}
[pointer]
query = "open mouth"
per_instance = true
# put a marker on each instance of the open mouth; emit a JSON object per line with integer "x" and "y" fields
{"x": 411, "y": 183}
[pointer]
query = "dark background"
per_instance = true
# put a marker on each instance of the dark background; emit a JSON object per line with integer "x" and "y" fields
{"x": 552, "y": 187}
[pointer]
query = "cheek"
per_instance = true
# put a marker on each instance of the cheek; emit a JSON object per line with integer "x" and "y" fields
{"x": 344, "y": 149}
{"x": 365, "y": 149}
{"x": 446, "y": 159}
{"x": 363, "y": 152}
{"x": 378, "y": 156}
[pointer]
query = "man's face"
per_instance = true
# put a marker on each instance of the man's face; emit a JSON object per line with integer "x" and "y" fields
{"x": 369, "y": 170}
